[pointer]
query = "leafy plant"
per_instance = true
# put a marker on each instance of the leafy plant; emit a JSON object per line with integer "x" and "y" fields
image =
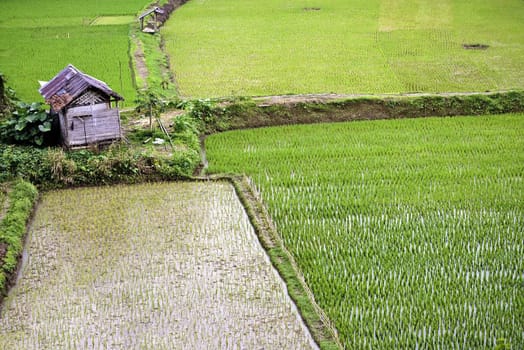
{"x": 24, "y": 162}
{"x": 29, "y": 124}
{"x": 151, "y": 104}
{"x": 183, "y": 123}
{"x": 7, "y": 97}
{"x": 13, "y": 226}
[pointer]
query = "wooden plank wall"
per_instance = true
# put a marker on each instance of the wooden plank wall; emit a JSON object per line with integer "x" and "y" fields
{"x": 92, "y": 124}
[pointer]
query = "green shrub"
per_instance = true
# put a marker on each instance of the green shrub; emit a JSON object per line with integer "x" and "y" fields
{"x": 185, "y": 122}
{"x": 13, "y": 226}
{"x": 24, "y": 162}
{"x": 51, "y": 167}
{"x": 28, "y": 124}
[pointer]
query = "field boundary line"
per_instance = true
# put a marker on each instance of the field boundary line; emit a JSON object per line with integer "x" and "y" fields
{"x": 322, "y": 330}
{"x": 330, "y": 97}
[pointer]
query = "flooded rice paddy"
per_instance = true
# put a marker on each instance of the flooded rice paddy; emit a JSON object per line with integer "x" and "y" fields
{"x": 153, "y": 266}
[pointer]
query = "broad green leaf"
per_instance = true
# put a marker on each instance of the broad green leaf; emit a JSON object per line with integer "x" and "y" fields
{"x": 39, "y": 140}
{"x": 45, "y": 127}
{"x": 20, "y": 126}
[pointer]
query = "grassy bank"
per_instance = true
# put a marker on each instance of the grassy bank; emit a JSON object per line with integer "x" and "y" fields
{"x": 21, "y": 200}
{"x": 252, "y": 113}
{"x": 320, "y": 326}
{"x": 55, "y": 168}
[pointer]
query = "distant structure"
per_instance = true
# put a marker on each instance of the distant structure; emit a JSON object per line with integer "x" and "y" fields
{"x": 87, "y": 108}
{"x": 152, "y": 25}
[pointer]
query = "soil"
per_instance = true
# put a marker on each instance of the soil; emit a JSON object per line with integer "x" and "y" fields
{"x": 266, "y": 101}
{"x": 3, "y": 251}
{"x": 141, "y": 68}
{"x": 166, "y": 118}
{"x": 475, "y": 46}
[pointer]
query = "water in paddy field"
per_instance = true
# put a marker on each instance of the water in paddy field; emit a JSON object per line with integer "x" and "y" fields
{"x": 164, "y": 266}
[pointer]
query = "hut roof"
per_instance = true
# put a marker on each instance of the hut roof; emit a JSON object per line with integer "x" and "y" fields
{"x": 69, "y": 84}
{"x": 150, "y": 11}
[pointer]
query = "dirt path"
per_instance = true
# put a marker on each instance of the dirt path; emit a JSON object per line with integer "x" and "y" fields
{"x": 157, "y": 266}
{"x": 329, "y": 97}
{"x": 140, "y": 63}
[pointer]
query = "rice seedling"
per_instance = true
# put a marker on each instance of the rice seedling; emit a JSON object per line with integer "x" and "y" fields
{"x": 162, "y": 266}
{"x": 409, "y": 232}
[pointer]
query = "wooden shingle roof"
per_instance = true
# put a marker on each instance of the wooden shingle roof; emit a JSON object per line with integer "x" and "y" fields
{"x": 150, "y": 11}
{"x": 69, "y": 84}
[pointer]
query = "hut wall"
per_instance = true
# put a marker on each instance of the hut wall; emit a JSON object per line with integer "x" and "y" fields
{"x": 63, "y": 125}
{"x": 91, "y": 124}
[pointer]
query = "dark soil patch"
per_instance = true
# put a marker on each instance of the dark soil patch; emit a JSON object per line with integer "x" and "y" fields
{"x": 475, "y": 46}
{"x": 3, "y": 251}
{"x": 168, "y": 8}
{"x": 141, "y": 68}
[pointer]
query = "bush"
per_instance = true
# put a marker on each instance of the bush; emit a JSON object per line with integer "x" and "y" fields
{"x": 24, "y": 162}
{"x": 53, "y": 167}
{"x": 13, "y": 227}
{"x": 185, "y": 123}
{"x": 29, "y": 124}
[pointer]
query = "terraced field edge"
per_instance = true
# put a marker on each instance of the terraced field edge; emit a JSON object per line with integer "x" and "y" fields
{"x": 244, "y": 113}
{"x": 320, "y": 326}
{"x": 13, "y": 228}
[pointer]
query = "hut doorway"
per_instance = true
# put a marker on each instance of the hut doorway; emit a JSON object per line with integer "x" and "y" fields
{"x": 82, "y": 127}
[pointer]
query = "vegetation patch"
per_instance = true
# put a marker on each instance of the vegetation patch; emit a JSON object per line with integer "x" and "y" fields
{"x": 112, "y": 20}
{"x": 407, "y": 231}
{"x": 244, "y": 113}
{"x": 12, "y": 230}
{"x": 44, "y": 37}
{"x": 53, "y": 167}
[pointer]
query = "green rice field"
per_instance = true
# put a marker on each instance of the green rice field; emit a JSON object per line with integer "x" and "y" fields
{"x": 409, "y": 232}
{"x": 274, "y": 47}
{"x": 40, "y": 38}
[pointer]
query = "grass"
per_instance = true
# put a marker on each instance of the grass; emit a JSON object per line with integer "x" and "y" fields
{"x": 408, "y": 232}
{"x": 44, "y": 36}
{"x": 113, "y": 20}
{"x": 223, "y": 48}
{"x": 177, "y": 265}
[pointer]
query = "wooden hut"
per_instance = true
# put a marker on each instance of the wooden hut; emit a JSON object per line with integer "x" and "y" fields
{"x": 152, "y": 26}
{"x": 87, "y": 108}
